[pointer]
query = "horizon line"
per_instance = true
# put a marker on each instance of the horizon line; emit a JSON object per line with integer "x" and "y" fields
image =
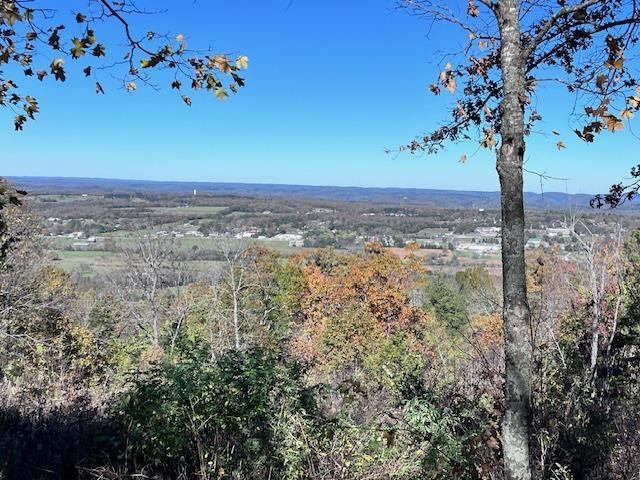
{"x": 219, "y": 182}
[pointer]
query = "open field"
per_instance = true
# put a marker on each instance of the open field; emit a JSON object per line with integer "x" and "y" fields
{"x": 189, "y": 211}
{"x": 86, "y": 233}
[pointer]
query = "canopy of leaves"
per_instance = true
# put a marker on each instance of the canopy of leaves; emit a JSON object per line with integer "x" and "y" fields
{"x": 39, "y": 39}
{"x": 584, "y": 46}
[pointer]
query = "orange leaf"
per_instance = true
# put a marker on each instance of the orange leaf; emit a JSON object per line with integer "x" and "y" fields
{"x": 601, "y": 80}
{"x": 626, "y": 113}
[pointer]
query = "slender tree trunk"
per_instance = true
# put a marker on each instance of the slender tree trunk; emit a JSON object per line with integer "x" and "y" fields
{"x": 236, "y": 318}
{"x": 517, "y": 387}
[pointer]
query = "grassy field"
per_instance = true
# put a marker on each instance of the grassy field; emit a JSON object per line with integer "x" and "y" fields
{"x": 87, "y": 263}
{"x": 92, "y": 260}
{"x": 427, "y": 233}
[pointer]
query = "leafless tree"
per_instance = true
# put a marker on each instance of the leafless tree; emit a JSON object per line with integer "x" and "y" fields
{"x": 603, "y": 266}
{"x": 243, "y": 289}
{"x": 151, "y": 268}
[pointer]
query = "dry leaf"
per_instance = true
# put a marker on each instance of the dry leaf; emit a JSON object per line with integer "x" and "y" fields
{"x": 601, "y": 80}
{"x": 626, "y": 113}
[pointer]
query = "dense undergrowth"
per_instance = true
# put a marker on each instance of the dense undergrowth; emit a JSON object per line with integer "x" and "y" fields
{"x": 322, "y": 366}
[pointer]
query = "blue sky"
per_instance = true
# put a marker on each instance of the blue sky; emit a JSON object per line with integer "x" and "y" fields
{"x": 331, "y": 85}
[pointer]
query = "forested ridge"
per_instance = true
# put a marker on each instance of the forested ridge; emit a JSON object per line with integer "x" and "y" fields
{"x": 323, "y": 365}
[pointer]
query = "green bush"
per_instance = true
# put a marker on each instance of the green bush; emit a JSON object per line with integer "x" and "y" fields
{"x": 218, "y": 419}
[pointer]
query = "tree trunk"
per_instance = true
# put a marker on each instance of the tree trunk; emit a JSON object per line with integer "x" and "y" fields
{"x": 517, "y": 387}
{"x": 236, "y": 319}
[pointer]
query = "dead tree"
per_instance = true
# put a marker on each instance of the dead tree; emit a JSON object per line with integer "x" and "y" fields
{"x": 151, "y": 268}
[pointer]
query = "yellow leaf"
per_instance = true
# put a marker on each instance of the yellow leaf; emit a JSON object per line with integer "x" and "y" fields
{"x": 180, "y": 38}
{"x": 221, "y": 93}
{"x": 488, "y": 140}
{"x": 242, "y": 62}
{"x": 131, "y": 86}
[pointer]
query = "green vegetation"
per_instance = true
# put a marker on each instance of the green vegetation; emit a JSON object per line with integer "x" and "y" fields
{"x": 321, "y": 365}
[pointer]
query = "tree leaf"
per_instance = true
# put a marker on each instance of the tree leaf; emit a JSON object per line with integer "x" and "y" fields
{"x": 57, "y": 69}
{"x": 615, "y": 63}
{"x": 626, "y": 113}
{"x": 242, "y": 62}
{"x": 613, "y": 123}
{"x": 77, "y": 50}
{"x": 18, "y": 122}
{"x": 221, "y": 93}
{"x": 99, "y": 50}
{"x": 488, "y": 141}
{"x": 472, "y": 9}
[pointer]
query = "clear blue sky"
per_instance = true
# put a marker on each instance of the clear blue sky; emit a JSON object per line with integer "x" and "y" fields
{"x": 331, "y": 84}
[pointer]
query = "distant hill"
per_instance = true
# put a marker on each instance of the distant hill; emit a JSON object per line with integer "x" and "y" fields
{"x": 410, "y": 196}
